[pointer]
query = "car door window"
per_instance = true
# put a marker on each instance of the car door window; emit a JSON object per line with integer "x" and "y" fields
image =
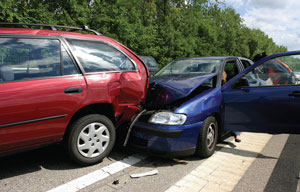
{"x": 97, "y": 56}
{"x": 245, "y": 63}
{"x": 275, "y": 72}
{"x": 68, "y": 64}
{"x": 230, "y": 70}
{"x": 22, "y": 59}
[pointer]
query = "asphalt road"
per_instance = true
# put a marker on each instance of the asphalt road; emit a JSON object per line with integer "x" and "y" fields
{"x": 276, "y": 168}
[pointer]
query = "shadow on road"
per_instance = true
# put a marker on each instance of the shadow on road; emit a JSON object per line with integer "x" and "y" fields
{"x": 52, "y": 157}
{"x": 244, "y": 153}
{"x": 55, "y": 158}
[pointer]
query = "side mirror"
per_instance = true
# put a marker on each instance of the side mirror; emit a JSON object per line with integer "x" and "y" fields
{"x": 242, "y": 82}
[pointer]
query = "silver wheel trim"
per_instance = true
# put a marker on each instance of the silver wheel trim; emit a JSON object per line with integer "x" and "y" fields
{"x": 210, "y": 137}
{"x": 93, "y": 140}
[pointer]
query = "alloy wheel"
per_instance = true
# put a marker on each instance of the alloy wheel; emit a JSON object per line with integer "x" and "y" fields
{"x": 211, "y": 136}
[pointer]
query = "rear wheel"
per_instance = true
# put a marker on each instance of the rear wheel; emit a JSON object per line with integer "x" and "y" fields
{"x": 91, "y": 138}
{"x": 207, "y": 139}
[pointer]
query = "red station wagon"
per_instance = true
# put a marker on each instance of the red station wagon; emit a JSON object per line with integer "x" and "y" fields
{"x": 66, "y": 86}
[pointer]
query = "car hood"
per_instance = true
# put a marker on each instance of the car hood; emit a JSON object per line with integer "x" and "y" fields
{"x": 166, "y": 89}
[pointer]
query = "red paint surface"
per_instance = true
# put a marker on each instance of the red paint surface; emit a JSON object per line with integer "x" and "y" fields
{"x": 34, "y": 99}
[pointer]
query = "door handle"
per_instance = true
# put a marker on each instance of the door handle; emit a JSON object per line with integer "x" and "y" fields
{"x": 71, "y": 90}
{"x": 295, "y": 94}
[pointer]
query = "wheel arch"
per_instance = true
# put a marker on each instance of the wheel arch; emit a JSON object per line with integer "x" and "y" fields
{"x": 106, "y": 109}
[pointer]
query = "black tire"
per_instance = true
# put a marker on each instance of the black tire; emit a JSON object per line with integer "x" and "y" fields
{"x": 94, "y": 132}
{"x": 207, "y": 139}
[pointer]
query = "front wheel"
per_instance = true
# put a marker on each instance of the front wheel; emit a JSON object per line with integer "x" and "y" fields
{"x": 207, "y": 139}
{"x": 91, "y": 138}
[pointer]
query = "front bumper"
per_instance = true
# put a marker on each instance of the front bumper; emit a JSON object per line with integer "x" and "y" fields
{"x": 163, "y": 140}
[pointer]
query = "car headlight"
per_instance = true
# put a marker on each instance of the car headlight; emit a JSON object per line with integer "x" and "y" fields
{"x": 167, "y": 118}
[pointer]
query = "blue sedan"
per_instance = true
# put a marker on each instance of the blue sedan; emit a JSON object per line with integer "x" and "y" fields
{"x": 193, "y": 101}
{"x": 184, "y": 106}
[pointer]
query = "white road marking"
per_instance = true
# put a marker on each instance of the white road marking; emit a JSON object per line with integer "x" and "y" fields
{"x": 93, "y": 177}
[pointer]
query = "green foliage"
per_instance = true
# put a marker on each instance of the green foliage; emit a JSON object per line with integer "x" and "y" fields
{"x": 164, "y": 29}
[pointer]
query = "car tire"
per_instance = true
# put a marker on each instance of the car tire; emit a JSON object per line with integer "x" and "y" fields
{"x": 91, "y": 138}
{"x": 207, "y": 139}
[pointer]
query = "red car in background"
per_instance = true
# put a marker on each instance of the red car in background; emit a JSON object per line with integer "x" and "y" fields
{"x": 66, "y": 86}
{"x": 297, "y": 76}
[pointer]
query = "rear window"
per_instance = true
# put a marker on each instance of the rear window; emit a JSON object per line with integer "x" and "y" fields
{"x": 150, "y": 61}
{"x": 97, "y": 56}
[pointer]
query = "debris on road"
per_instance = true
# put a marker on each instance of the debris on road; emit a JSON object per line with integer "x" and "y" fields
{"x": 180, "y": 161}
{"x": 137, "y": 175}
{"x": 116, "y": 182}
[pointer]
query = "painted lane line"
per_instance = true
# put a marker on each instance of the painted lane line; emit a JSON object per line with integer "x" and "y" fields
{"x": 93, "y": 177}
{"x": 81, "y": 182}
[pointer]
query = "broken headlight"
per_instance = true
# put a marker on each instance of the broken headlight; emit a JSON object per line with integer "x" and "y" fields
{"x": 167, "y": 118}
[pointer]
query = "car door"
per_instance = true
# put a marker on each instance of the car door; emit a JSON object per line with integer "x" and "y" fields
{"x": 125, "y": 74}
{"x": 265, "y": 97}
{"x": 39, "y": 90}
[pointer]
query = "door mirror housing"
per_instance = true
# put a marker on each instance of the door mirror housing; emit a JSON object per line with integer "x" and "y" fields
{"x": 242, "y": 82}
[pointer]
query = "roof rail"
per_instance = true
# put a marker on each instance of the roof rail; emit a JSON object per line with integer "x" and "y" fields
{"x": 54, "y": 27}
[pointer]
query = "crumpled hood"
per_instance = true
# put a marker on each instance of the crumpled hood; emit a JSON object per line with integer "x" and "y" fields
{"x": 166, "y": 89}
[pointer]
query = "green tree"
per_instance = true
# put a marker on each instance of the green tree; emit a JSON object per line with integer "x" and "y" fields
{"x": 165, "y": 29}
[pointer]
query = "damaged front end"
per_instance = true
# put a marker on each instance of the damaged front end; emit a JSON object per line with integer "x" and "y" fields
{"x": 179, "y": 98}
{"x": 163, "y": 127}
{"x": 171, "y": 91}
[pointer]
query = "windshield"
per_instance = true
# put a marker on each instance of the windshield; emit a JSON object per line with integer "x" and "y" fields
{"x": 184, "y": 66}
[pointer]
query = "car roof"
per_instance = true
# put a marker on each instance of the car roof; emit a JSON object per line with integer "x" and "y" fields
{"x": 46, "y": 32}
{"x": 212, "y": 57}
